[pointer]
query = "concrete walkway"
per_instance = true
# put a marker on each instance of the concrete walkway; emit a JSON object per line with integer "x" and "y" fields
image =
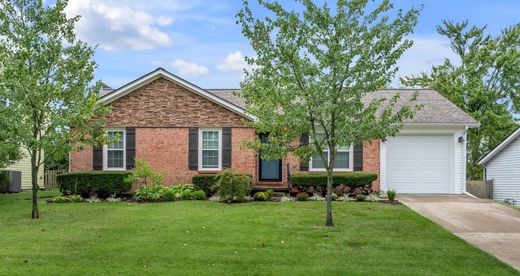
{"x": 490, "y": 226}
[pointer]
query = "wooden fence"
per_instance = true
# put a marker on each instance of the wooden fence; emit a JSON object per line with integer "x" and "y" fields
{"x": 49, "y": 179}
{"x": 480, "y": 188}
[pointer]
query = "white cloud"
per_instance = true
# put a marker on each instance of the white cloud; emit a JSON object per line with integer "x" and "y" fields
{"x": 118, "y": 25}
{"x": 189, "y": 68}
{"x": 425, "y": 53}
{"x": 233, "y": 62}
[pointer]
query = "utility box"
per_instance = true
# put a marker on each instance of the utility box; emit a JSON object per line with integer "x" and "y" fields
{"x": 14, "y": 183}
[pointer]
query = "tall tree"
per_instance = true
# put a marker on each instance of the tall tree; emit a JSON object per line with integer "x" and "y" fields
{"x": 48, "y": 75}
{"x": 484, "y": 81}
{"x": 313, "y": 70}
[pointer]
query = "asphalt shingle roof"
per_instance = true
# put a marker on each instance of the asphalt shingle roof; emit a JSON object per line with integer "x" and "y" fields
{"x": 436, "y": 108}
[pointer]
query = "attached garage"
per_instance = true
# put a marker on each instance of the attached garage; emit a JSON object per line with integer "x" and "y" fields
{"x": 420, "y": 164}
{"x": 424, "y": 160}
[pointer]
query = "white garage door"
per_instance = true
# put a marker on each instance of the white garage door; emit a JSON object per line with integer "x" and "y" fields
{"x": 420, "y": 164}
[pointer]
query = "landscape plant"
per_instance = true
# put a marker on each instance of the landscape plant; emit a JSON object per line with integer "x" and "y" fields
{"x": 391, "y": 195}
{"x": 48, "y": 75}
{"x": 233, "y": 187}
{"x": 311, "y": 70}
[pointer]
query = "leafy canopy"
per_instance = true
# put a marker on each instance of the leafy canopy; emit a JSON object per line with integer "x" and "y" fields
{"x": 311, "y": 73}
{"x": 48, "y": 74}
{"x": 312, "y": 70}
{"x": 484, "y": 81}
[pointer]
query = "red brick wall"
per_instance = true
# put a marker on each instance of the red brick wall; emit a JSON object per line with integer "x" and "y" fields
{"x": 166, "y": 150}
{"x": 81, "y": 160}
{"x": 371, "y": 161}
{"x": 162, "y": 103}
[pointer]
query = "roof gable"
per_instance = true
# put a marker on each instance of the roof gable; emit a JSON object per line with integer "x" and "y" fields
{"x": 162, "y": 73}
{"x": 508, "y": 140}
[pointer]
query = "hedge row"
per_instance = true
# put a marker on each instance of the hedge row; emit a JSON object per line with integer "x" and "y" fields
{"x": 352, "y": 180}
{"x": 206, "y": 182}
{"x": 103, "y": 183}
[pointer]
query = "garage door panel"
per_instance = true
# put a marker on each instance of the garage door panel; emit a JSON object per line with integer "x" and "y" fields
{"x": 419, "y": 163}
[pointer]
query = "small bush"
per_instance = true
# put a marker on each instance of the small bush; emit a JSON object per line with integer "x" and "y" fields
{"x": 260, "y": 196}
{"x": 102, "y": 183}
{"x": 233, "y": 187}
{"x": 142, "y": 175}
{"x": 353, "y": 180}
{"x": 75, "y": 198}
{"x": 372, "y": 198}
{"x": 205, "y": 182}
{"x": 149, "y": 192}
{"x": 346, "y": 198}
{"x": 302, "y": 196}
{"x": 317, "y": 197}
{"x": 361, "y": 197}
{"x": 59, "y": 199}
{"x": 174, "y": 192}
{"x": 187, "y": 195}
{"x": 113, "y": 198}
{"x": 286, "y": 199}
{"x": 199, "y": 195}
{"x": 214, "y": 198}
{"x": 391, "y": 195}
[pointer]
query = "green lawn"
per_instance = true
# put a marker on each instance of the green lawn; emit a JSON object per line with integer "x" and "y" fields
{"x": 194, "y": 237}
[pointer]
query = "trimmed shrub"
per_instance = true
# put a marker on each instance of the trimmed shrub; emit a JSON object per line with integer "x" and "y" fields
{"x": 187, "y": 195}
{"x": 102, "y": 183}
{"x": 260, "y": 196}
{"x": 302, "y": 196}
{"x": 199, "y": 195}
{"x": 263, "y": 196}
{"x": 353, "y": 180}
{"x": 149, "y": 192}
{"x": 361, "y": 197}
{"x": 233, "y": 187}
{"x": 205, "y": 182}
{"x": 391, "y": 195}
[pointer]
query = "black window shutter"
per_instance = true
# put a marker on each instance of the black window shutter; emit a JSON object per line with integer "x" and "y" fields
{"x": 97, "y": 159}
{"x": 304, "y": 140}
{"x": 130, "y": 148}
{"x": 193, "y": 145}
{"x": 358, "y": 157}
{"x": 226, "y": 147}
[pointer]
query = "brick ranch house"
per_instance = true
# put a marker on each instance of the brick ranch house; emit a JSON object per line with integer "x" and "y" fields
{"x": 183, "y": 130}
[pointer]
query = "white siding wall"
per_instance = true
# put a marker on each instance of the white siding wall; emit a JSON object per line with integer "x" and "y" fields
{"x": 24, "y": 165}
{"x": 504, "y": 169}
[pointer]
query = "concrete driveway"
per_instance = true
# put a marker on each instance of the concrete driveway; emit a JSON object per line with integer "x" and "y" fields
{"x": 490, "y": 226}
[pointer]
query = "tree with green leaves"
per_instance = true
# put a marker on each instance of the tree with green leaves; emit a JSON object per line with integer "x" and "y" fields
{"x": 312, "y": 70}
{"x": 483, "y": 81}
{"x": 48, "y": 75}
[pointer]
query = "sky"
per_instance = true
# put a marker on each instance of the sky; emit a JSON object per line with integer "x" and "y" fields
{"x": 200, "y": 41}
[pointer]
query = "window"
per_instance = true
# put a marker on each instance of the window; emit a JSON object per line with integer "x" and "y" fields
{"x": 210, "y": 149}
{"x": 342, "y": 162}
{"x": 114, "y": 154}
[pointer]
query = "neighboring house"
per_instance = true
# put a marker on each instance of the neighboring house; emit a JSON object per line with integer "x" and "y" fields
{"x": 502, "y": 166}
{"x": 24, "y": 164}
{"x": 184, "y": 130}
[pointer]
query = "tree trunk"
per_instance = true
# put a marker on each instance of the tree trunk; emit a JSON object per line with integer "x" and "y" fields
{"x": 34, "y": 181}
{"x": 329, "y": 222}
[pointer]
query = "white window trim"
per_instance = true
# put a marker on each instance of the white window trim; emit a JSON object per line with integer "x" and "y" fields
{"x": 201, "y": 130}
{"x": 105, "y": 152}
{"x": 350, "y": 162}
